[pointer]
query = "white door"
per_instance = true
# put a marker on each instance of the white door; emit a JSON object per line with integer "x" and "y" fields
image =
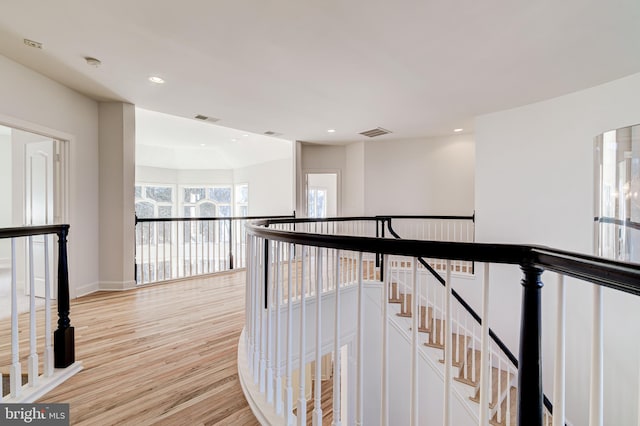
{"x": 39, "y": 208}
{"x": 322, "y": 194}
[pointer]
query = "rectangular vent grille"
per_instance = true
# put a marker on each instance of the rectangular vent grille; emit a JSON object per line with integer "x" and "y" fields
{"x": 378, "y": 131}
{"x": 205, "y": 118}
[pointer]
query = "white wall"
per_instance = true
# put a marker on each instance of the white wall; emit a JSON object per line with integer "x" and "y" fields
{"x": 353, "y": 183}
{"x": 534, "y": 184}
{"x": 146, "y": 174}
{"x": 33, "y": 102}
{"x": 5, "y": 180}
{"x": 5, "y": 194}
{"x": 270, "y": 184}
{"x": 420, "y": 176}
{"x": 270, "y": 187}
{"x": 411, "y": 176}
{"x": 318, "y": 159}
{"x": 117, "y": 209}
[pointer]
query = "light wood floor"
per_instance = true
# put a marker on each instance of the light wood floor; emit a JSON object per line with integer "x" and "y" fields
{"x": 163, "y": 354}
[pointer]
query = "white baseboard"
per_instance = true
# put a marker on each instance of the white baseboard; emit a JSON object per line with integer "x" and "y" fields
{"x": 116, "y": 285}
{"x": 86, "y": 289}
{"x": 45, "y": 384}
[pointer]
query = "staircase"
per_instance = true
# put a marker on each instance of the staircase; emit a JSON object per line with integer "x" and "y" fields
{"x": 465, "y": 356}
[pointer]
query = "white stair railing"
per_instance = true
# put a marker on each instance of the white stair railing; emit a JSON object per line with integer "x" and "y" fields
{"x": 471, "y": 354}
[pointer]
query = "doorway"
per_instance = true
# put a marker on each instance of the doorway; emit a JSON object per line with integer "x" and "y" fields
{"x": 32, "y": 183}
{"x": 322, "y": 194}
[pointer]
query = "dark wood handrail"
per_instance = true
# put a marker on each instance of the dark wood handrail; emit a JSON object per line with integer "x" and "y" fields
{"x": 532, "y": 259}
{"x": 25, "y": 231}
{"x": 621, "y": 276}
{"x": 207, "y": 219}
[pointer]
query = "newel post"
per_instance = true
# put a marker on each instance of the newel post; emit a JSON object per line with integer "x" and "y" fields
{"x": 63, "y": 337}
{"x": 530, "y": 359}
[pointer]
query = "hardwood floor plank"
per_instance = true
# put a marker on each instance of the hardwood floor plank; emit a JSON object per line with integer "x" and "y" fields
{"x": 163, "y": 354}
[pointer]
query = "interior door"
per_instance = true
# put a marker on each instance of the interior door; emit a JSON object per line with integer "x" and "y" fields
{"x": 321, "y": 194}
{"x": 39, "y": 206}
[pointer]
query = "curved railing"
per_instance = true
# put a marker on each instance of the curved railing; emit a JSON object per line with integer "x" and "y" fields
{"x": 275, "y": 243}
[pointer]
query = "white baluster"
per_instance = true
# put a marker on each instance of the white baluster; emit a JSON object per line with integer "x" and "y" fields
{"x": 149, "y": 277}
{"x": 257, "y": 321}
{"x": 337, "y": 360}
{"x": 171, "y": 225}
{"x": 33, "y": 354}
{"x": 249, "y": 316}
{"x": 302, "y": 398}
{"x": 360, "y": 346}
{"x": 155, "y": 230}
{"x": 289, "y": 389}
{"x": 15, "y": 373}
{"x": 278, "y": 283}
{"x": 638, "y": 397}
{"x": 384, "y": 406}
{"x": 508, "y": 414}
{"x": 596, "y": 388}
{"x": 48, "y": 348}
{"x": 464, "y": 368}
{"x": 499, "y": 394}
{"x": 458, "y": 345}
{"x": 414, "y": 343}
{"x": 448, "y": 348}
{"x": 559, "y": 368}
{"x": 485, "y": 367}
{"x": 317, "y": 407}
{"x": 263, "y": 319}
{"x": 270, "y": 332}
{"x": 473, "y": 351}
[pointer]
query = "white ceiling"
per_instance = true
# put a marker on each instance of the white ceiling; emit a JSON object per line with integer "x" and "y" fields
{"x": 172, "y": 142}
{"x": 415, "y": 67}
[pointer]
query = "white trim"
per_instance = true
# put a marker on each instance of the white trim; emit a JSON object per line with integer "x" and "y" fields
{"x": 46, "y": 384}
{"x": 264, "y": 412}
{"x": 305, "y": 173}
{"x": 86, "y": 289}
{"x": 116, "y": 285}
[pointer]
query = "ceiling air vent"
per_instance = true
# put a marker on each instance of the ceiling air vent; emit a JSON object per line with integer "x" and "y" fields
{"x": 205, "y": 118}
{"x": 378, "y": 131}
{"x": 271, "y": 133}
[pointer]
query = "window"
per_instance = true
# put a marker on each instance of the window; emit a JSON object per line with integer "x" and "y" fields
{"x": 208, "y": 201}
{"x": 242, "y": 199}
{"x": 154, "y": 200}
{"x": 316, "y": 202}
{"x": 166, "y": 200}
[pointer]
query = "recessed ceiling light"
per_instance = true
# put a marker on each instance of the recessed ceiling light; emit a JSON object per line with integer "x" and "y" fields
{"x": 33, "y": 43}
{"x": 156, "y": 79}
{"x": 234, "y": 140}
{"x": 331, "y": 130}
{"x": 203, "y": 144}
{"x": 245, "y": 135}
{"x": 93, "y": 61}
{"x": 458, "y": 130}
